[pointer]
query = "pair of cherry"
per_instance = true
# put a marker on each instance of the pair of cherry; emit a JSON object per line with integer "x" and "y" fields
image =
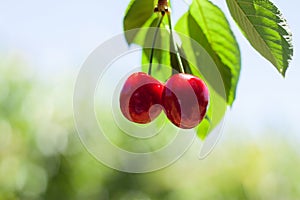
{"x": 184, "y": 98}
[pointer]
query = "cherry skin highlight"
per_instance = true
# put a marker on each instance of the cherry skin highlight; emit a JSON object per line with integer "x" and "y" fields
{"x": 185, "y": 100}
{"x": 140, "y": 98}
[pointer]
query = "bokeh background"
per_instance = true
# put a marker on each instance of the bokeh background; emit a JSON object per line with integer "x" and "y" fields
{"x": 42, "y": 46}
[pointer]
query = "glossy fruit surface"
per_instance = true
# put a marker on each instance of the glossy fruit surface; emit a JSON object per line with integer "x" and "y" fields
{"x": 140, "y": 98}
{"x": 185, "y": 100}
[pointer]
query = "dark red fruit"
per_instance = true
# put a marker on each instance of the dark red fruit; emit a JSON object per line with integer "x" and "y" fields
{"x": 140, "y": 98}
{"x": 185, "y": 99}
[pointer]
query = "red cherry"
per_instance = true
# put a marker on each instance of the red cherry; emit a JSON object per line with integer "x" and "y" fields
{"x": 185, "y": 99}
{"x": 140, "y": 98}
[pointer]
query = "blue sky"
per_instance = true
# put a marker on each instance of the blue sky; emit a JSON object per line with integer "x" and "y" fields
{"x": 56, "y": 36}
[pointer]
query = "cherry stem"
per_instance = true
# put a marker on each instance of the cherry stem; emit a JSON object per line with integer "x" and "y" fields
{"x": 175, "y": 47}
{"x": 153, "y": 43}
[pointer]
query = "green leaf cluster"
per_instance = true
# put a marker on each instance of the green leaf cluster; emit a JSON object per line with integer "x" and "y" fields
{"x": 208, "y": 46}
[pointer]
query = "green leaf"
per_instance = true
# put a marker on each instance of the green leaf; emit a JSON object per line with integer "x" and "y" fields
{"x": 215, "y": 113}
{"x": 266, "y": 30}
{"x": 214, "y": 56}
{"x": 139, "y": 27}
{"x": 137, "y": 14}
{"x": 161, "y": 65}
{"x": 165, "y": 61}
{"x": 207, "y": 24}
{"x": 205, "y": 126}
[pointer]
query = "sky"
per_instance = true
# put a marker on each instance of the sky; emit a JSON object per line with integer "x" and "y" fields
{"x": 57, "y": 36}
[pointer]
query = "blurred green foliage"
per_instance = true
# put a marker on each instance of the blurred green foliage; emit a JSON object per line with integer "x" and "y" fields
{"x": 41, "y": 156}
